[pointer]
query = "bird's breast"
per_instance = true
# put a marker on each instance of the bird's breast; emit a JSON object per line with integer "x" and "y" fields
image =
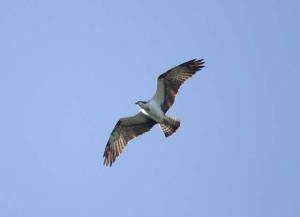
{"x": 154, "y": 111}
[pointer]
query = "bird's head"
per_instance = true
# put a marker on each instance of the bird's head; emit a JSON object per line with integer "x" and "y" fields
{"x": 141, "y": 104}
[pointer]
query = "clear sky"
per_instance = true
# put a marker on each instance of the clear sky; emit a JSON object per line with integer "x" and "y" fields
{"x": 70, "y": 69}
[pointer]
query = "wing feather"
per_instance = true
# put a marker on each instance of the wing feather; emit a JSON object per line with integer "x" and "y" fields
{"x": 169, "y": 82}
{"x": 125, "y": 130}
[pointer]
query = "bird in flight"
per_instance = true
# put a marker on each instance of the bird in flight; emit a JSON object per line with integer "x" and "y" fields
{"x": 152, "y": 111}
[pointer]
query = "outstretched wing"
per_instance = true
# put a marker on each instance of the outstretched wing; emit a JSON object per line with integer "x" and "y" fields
{"x": 125, "y": 130}
{"x": 169, "y": 82}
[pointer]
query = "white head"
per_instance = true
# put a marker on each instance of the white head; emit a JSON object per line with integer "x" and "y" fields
{"x": 141, "y": 104}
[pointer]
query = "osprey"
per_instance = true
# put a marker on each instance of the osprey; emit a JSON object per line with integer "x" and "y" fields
{"x": 152, "y": 111}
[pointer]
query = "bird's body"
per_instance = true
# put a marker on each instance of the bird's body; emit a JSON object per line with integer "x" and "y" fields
{"x": 152, "y": 111}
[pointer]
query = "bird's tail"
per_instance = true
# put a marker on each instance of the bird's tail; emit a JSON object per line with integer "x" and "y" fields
{"x": 170, "y": 125}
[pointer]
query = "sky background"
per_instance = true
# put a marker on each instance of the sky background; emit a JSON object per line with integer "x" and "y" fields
{"x": 70, "y": 69}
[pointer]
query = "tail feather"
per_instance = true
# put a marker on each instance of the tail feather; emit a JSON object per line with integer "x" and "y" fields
{"x": 170, "y": 126}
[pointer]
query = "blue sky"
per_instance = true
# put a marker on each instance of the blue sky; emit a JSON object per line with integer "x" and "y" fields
{"x": 70, "y": 69}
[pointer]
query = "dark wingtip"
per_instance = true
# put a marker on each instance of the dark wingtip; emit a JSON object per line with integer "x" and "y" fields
{"x": 107, "y": 163}
{"x": 107, "y": 157}
{"x": 195, "y": 65}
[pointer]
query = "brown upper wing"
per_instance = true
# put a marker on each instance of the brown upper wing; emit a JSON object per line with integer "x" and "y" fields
{"x": 169, "y": 82}
{"x": 125, "y": 130}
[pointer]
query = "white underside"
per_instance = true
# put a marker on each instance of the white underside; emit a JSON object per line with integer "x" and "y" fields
{"x": 154, "y": 111}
